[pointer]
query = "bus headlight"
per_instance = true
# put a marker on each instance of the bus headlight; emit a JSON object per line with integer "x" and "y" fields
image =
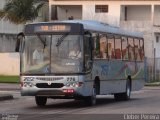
{"x": 28, "y": 84}
{"x": 74, "y": 84}
{"x": 28, "y": 79}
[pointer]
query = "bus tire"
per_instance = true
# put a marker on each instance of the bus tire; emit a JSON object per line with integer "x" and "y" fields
{"x": 91, "y": 100}
{"x": 97, "y": 85}
{"x": 126, "y": 95}
{"x": 40, "y": 101}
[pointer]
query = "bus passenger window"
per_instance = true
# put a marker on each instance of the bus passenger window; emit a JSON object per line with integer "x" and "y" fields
{"x": 130, "y": 49}
{"x": 103, "y": 49}
{"x": 118, "y": 48}
{"x": 96, "y": 47}
{"x": 110, "y": 44}
{"x": 124, "y": 48}
{"x": 141, "y": 49}
{"x": 136, "y": 48}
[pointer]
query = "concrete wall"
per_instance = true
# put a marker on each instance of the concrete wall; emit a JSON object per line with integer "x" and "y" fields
{"x": 88, "y": 10}
{"x": 9, "y": 64}
{"x": 7, "y": 42}
{"x": 112, "y": 17}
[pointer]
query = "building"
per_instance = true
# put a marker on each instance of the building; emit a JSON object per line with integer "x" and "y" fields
{"x": 9, "y": 31}
{"x": 134, "y": 15}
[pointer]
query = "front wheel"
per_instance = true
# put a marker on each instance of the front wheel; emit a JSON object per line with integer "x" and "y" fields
{"x": 126, "y": 95}
{"x": 41, "y": 101}
{"x": 91, "y": 100}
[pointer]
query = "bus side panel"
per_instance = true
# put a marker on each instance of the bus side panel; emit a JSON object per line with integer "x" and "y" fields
{"x": 88, "y": 84}
{"x": 138, "y": 78}
{"x": 113, "y": 75}
{"x": 112, "y": 86}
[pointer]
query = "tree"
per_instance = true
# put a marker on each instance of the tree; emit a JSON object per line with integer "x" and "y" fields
{"x": 21, "y": 11}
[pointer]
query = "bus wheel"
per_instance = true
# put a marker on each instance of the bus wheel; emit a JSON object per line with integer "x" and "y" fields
{"x": 126, "y": 95}
{"x": 41, "y": 101}
{"x": 91, "y": 100}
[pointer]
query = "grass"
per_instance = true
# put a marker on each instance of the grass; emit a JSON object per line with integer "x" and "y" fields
{"x": 9, "y": 79}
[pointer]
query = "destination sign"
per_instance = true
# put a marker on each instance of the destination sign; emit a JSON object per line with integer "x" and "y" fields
{"x": 52, "y": 28}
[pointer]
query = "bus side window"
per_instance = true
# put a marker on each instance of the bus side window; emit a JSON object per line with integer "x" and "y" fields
{"x": 100, "y": 47}
{"x": 141, "y": 49}
{"x": 124, "y": 48}
{"x": 110, "y": 45}
{"x": 96, "y": 49}
{"x": 118, "y": 48}
{"x": 136, "y": 48}
{"x": 130, "y": 49}
{"x": 103, "y": 49}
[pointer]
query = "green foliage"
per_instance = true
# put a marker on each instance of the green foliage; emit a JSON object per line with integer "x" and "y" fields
{"x": 21, "y": 11}
{"x": 9, "y": 79}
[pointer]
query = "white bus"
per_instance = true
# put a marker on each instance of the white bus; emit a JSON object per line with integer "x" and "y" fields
{"x": 108, "y": 60}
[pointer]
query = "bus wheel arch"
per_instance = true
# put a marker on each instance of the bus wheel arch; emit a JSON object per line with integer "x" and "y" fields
{"x": 125, "y": 95}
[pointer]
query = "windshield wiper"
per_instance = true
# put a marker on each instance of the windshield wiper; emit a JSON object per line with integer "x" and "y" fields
{"x": 43, "y": 41}
{"x": 60, "y": 40}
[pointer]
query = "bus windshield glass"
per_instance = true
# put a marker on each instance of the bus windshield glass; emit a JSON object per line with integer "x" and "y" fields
{"x": 42, "y": 54}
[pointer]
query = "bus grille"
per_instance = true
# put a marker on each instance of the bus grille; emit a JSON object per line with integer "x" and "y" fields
{"x": 52, "y": 85}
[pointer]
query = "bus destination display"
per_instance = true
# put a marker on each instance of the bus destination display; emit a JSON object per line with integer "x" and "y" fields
{"x": 52, "y": 28}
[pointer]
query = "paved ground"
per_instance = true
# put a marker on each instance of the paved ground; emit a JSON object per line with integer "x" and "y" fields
{"x": 144, "y": 102}
{"x": 9, "y": 86}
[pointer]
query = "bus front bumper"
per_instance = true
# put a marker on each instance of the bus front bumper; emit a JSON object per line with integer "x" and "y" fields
{"x": 54, "y": 92}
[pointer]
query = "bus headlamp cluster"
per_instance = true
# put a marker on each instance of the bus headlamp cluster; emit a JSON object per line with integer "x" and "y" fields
{"x": 28, "y": 84}
{"x": 74, "y": 84}
{"x": 28, "y": 79}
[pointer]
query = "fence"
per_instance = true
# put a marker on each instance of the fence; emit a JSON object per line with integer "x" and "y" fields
{"x": 152, "y": 70}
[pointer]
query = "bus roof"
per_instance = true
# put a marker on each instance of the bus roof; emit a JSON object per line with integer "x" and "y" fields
{"x": 103, "y": 27}
{"x": 100, "y": 27}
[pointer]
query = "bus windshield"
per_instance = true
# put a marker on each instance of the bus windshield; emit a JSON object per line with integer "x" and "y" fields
{"x": 42, "y": 54}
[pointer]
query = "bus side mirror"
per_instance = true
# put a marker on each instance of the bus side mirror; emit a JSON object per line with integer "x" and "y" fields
{"x": 20, "y": 37}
